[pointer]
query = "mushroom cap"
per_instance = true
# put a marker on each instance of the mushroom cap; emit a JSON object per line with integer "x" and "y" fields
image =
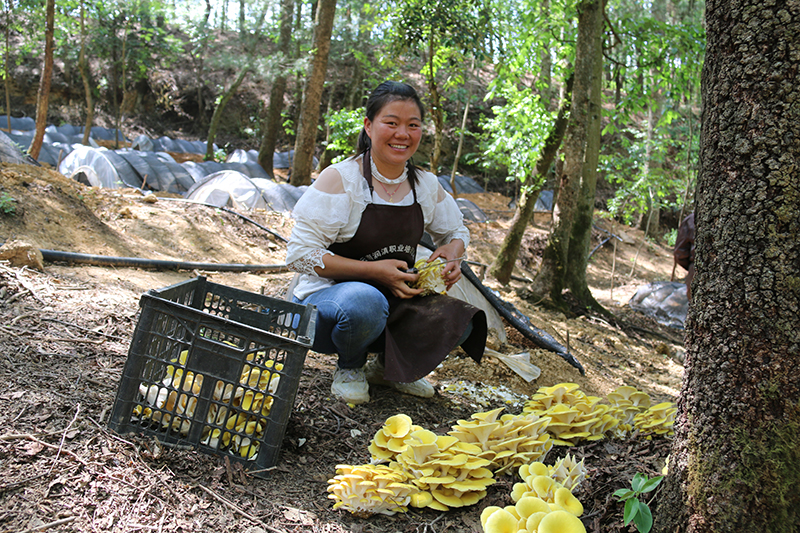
{"x": 529, "y": 505}
{"x": 533, "y": 521}
{"x": 422, "y": 498}
{"x": 486, "y": 512}
{"x": 501, "y": 521}
{"x": 447, "y": 498}
{"x": 561, "y": 522}
{"x": 398, "y": 426}
{"x": 536, "y": 469}
{"x": 568, "y": 501}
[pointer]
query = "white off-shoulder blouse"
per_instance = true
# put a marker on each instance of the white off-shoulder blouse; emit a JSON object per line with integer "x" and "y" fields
{"x": 323, "y": 218}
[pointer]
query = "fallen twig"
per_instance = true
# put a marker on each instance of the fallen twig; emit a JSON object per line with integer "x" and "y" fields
{"x": 51, "y": 524}
{"x": 64, "y": 437}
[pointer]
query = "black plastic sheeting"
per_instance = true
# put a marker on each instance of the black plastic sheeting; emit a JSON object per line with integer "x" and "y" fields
{"x": 279, "y": 160}
{"x": 464, "y": 184}
{"x": 665, "y": 301}
{"x": 166, "y": 144}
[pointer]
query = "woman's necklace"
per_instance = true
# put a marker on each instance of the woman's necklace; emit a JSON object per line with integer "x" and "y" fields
{"x": 391, "y": 194}
{"x": 380, "y": 178}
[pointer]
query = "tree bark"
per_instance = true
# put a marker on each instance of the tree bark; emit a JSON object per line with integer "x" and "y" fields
{"x": 735, "y": 459}
{"x": 43, "y": 96}
{"x": 436, "y": 108}
{"x": 7, "y": 79}
{"x": 217, "y": 116}
{"x": 312, "y": 96}
{"x": 503, "y": 265}
{"x": 86, "y": 76}
{"x": 550, "y": 280}
{"x": 580, "y": 240}
{"x": 272, "y": 122}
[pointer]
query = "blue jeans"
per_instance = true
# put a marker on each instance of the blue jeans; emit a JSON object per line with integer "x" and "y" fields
{"x": 351, "y": 316}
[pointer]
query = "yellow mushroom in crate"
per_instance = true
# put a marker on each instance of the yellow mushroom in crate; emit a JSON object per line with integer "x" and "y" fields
{"x": 371, "y": 489}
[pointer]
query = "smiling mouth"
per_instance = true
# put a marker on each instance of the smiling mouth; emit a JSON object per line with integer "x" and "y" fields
{"x": 399, "y": 146}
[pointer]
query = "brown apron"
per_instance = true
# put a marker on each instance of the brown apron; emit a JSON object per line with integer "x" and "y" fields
{"x": 420, "y": 331}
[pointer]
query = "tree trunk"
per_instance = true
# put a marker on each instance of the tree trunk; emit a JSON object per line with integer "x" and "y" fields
{"x": 44, "y": 82}
{"x": 83, "y": 66}
{"x": 272, "y": 122}
{"x": 503, "y": 264}
{"x": 312, "y": 96}
{"x": 217, "y": 116}
{"x": 580, "y": 240}
{"x": 436, "y": 109}
{"x": 550, "y": 280}
{"x": 7, "y": 79}
{"x": 735, "y": 459}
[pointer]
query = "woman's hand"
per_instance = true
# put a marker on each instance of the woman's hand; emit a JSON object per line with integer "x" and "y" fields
{"x": 391, "y": 273}
{"x": 452, "y": 270}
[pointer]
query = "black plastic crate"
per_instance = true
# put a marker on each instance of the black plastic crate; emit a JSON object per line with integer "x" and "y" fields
{"x": 214, "y": 368}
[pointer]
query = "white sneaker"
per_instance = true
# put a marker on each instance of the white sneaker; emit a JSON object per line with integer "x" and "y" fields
{"x": 421, "y": 388}
{"x": 350, "y": 385}
{"x": 374, "y": 374}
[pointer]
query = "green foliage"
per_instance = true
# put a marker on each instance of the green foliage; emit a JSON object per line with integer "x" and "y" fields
{"x": 8, "y": 204}
{"x": 637, "y": 510}
{"x": 219, "y": 156}
{"x": 514, "y": 136}
{"x": 345, "y": 126}
{"x": 671, "y": 237}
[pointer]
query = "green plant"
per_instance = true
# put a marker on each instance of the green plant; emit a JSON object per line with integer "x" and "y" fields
{"x": 345, "y": 126}
{"x": 635, "y": 509}
{"x": 8, "y": 204}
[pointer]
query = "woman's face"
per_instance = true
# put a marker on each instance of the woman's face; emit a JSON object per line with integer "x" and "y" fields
{"x": 395, "y": 133}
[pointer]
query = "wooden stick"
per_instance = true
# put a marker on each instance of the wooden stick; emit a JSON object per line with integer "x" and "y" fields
{"x": 64, "y": 437}
{"x": 51, "y": 524}
{"x": 613, "y": 267}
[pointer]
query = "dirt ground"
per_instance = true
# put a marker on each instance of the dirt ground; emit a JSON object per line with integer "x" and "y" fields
{"x": 65, "y": 334}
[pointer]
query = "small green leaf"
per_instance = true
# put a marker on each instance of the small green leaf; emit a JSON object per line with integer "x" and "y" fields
{"x": 623, "y": 494}
{"x": 631, "y": 510}
{"x": 638, "y": 482}
{"x": 643, "y": 519}
{"x": 652, "y": 484}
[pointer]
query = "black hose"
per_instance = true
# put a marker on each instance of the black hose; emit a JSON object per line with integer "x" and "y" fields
{"x": 158, "y": 264}
{"x": 520, "y": 322}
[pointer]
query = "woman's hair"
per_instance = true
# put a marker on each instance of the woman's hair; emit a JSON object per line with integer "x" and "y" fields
{"x": 386, "y": 93}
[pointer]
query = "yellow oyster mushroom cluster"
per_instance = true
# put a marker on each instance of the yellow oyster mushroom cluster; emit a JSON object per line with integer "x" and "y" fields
{"x": 370, "y": 489}
{"x": 447, "y": 471}
{"x": 567, "y": 471}
{"x": 430, "y": 276}
{"x": 530, "y": 515}
{"x": 240, "y": 410}
{"x": 390, "y": 440}
{"x": 627, "y": 402}
{"x": 507, "y": 442}
{"x": 658, "y": 420}
{"x": 574, "y": 416}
